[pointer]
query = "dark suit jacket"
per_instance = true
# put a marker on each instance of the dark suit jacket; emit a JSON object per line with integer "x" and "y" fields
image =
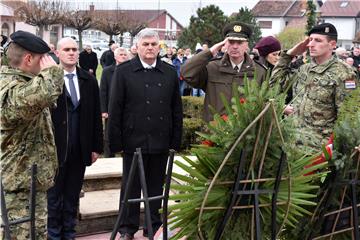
{"x": 107, "y": 58}
{"x": 145, "y": 108}
{"x": 91, "y": 135}
{"x": 105, "y": 87}
{"x": 88, "y": 61}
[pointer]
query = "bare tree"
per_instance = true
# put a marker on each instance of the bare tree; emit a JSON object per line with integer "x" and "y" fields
{"x": 41, "y": 13}
{"x": 80, "y": 20}
{"x": 133, "y": 26}
{"x": 111, "y": 23}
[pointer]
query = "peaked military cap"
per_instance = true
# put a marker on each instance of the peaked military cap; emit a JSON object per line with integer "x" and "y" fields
{"x": 237, "y": 31}
{"x": 324, "y": 29}
{"x": 30, "y": 42}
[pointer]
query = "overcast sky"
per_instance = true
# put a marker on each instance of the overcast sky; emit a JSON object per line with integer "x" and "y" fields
{"x": 181, "y": 10}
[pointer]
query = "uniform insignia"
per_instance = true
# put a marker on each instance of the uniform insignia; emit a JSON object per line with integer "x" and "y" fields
{"x": 350, "y": 84}
{"x": 237, "y": 28}
{"x": 327, "y": 30}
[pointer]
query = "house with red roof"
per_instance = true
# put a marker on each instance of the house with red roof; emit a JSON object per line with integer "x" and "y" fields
{"x": 345, "y": 16}
{"x": 10, "y": 23}
{"x": 274, "y": 16}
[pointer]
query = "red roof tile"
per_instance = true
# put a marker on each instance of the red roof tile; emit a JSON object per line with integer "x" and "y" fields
{"x": 297, "y": 10}
{"x": 269, "y": 8}
{"x": 142, "y": 16}
{"x": 13, "y": 3}
{"x": 336, "y": 8}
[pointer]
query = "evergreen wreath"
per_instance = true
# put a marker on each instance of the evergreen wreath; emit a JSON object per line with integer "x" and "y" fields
{"x": 254, "y": 124}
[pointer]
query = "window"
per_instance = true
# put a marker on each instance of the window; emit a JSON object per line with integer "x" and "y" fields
{"x": 344, "y": 4}
{"x": 265, "y": 24}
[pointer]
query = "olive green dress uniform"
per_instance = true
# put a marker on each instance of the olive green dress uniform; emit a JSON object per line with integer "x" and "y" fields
{"x": 27, "y": 138}
{"x": 318, "y": 92}
{"x": 216, "y": 76}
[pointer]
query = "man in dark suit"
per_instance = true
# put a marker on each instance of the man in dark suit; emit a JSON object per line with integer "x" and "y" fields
{"x": 120, "y": 55}
{"x": 78, "y": 138}
{"x": 145, "y": 111}
{"x": 88, "y": 60}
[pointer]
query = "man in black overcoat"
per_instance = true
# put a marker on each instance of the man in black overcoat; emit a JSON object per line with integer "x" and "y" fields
{"x": 78, "y": 138}
{"x": 121, "y": 55}
{"x": 88, "y": 60}
{"x": 145, "y": 111}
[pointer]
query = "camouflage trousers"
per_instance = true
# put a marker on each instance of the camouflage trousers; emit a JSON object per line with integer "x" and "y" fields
{"x": 17, "y": 205}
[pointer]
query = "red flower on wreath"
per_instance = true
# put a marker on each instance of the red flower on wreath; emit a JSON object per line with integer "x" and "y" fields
{"x": 207, "y": 143}
{"x": 242, "y": 100}
{"x": 322, "y": 158}
{"x": 225, "y": 117}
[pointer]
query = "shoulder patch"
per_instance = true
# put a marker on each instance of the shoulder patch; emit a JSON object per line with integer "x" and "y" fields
{"x": 350, "y": 84}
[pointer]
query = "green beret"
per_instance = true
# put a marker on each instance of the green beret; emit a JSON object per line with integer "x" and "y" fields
{"x": 324, "y": 29}
{"x": 237, "y": 31}
{"x": 30, "y": 42}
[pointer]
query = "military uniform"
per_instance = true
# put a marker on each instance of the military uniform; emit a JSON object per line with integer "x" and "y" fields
{"x": 318, "y": 91}
{"x": 216, "y": 76}
{"x": 27, "y": 138}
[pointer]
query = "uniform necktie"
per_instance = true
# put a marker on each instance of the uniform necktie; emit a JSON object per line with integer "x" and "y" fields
{"x": 236, "y": 68}
{"x": 73, "y": 94}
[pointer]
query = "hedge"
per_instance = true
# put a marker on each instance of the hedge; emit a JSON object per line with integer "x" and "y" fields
{"x": 192, "y": 122}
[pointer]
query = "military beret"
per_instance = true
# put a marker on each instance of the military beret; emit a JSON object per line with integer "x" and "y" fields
{"x": 267, "y": 45}
{"x": 237, "y": 31}
{"x": 324, "y": 29}
{"x": 30, "y": 42}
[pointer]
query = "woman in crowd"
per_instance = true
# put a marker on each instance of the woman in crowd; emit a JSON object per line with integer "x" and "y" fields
{"x": 269, "y": 50}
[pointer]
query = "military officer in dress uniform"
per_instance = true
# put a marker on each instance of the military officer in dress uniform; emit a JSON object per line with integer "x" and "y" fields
{"x": 29, "y": 86}
{"x": 217, "y": 75}
{"x": 319, "y": 87}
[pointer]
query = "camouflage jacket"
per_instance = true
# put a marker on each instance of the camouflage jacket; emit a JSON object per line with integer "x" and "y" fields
{"x": 26, "y": 127}
{"x": 318, "y": 92}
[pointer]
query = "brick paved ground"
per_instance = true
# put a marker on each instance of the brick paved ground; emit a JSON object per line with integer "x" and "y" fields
{"x": 106, "y": 236}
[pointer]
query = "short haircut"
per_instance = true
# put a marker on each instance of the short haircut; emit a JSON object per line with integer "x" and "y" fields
{"x": 330, "y": 38}
{"x": 120, "y": 49}
{"x": 65, "y": 39}
{"x": 15, "y": 54}
{"x": 146, "y": 33}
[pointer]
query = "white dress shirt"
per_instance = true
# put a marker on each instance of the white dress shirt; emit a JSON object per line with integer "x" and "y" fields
{"x": 76, "y": 83}
{"x": 147, "y": 66}
{"x": 239, "y": 65}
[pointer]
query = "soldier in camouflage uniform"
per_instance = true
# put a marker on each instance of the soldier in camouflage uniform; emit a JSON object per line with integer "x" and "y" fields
{"x": 319, "y": 87}
{"x": 29, "y": 86}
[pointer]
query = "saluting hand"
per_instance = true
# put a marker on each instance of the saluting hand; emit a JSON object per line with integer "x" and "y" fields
{"x": 215, "y": 49}
{"x": 299, "y": 48}
{"x": 46, "y": 61}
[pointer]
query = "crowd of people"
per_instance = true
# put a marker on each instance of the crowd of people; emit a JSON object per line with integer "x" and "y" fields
{"x": 51, "y": 114}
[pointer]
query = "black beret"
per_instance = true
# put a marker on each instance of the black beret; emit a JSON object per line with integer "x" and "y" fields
{"x": 324, "y": 29}
{"x": 30, "y": 42}
{"x": 237, "y": 31}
